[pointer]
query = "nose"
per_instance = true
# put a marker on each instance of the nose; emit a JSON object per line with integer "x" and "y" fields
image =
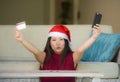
{"x": 58, "y": 42}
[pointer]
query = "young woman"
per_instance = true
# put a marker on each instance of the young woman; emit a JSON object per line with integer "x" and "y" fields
{"x": 57, "y": 54}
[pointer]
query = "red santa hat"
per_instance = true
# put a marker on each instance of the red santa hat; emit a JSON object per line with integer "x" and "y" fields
{"x": 60, "y": 31}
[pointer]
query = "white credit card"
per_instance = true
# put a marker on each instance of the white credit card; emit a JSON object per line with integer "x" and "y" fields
{"x": 21, "y": 25}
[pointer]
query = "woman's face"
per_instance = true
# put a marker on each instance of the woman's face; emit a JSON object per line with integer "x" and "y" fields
{"x": 57, "y": 44}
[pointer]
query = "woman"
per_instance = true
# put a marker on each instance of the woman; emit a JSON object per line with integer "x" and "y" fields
{"x": 57, "y": 54}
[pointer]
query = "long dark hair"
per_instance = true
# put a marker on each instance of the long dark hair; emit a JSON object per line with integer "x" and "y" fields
{"x": 49, "y": 51}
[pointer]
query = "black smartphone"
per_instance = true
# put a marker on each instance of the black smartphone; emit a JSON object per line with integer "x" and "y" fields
{"x": 97, "y": 19}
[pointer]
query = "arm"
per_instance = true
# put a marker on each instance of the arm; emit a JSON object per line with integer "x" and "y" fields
{"x": 78, "y": 53}
{"x": 39, "y": 55}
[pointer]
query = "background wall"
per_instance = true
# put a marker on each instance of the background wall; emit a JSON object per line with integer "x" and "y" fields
{"x": 32, "y": 11}
{"x": 40, "y": 12}
{"x": 64, "y": 11}
{"x": 109, "y": 8}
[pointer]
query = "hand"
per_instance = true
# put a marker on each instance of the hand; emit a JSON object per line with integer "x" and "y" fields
{"x": 18, "y": 35}
{"x": 96, "y": 31}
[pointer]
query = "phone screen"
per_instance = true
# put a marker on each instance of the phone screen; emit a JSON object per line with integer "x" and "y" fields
{"x": 97, "y": 19}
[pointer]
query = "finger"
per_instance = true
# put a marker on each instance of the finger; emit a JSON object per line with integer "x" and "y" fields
{"x": 97, "y": 27}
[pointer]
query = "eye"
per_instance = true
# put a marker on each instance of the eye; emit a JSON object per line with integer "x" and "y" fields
{"x": 61, "y": 39}
{"x": 53, "y": 39}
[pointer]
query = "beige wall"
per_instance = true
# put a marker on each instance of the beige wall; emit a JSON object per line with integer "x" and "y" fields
{"x": 32, "y": 11}
{"x": 38, "y": 12}
{"x": 109, "y": 8}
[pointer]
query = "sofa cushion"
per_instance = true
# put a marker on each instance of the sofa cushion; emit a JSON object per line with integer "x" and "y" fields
{"x": 37, "y": 35}
{"x": 103, "y": 49}
{"x": 108, "y": 69}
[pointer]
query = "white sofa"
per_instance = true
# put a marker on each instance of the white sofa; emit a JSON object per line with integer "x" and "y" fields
{"x": 13, "y": 56}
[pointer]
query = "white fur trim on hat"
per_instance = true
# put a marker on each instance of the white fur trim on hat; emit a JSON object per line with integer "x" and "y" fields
{"x": 58, "y": 34}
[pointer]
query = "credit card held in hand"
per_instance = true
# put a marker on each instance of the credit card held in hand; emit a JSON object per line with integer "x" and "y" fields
{"x": 21, "y": 25}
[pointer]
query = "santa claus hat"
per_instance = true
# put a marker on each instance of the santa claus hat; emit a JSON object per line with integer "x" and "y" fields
{"x": 61, "y": 31}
